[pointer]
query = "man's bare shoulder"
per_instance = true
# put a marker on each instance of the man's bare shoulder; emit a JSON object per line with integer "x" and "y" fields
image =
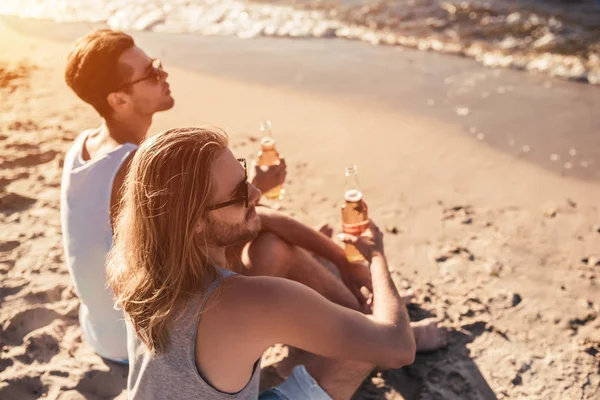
{"x": 260, "y": 290}
{"x": 249, "y": 305}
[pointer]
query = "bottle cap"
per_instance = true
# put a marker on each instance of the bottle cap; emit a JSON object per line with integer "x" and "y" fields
{"x": 353, "y": 195}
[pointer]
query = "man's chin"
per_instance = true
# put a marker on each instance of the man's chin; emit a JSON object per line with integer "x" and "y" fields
{"x": 168, "y": 104}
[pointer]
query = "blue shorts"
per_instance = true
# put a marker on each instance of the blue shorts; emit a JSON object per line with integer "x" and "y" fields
{"x": 299, "y": 386}
{"x": 122, "y": 362}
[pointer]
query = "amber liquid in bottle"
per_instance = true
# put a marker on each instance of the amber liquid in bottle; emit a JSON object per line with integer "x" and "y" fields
{"x": 355, "y": 213}
{"x": 268, "y": 156}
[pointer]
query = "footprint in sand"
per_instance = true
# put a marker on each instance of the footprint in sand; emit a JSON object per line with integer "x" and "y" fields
{"x": 457, "y": 383}
{"x": 22, "y": 388}
{"x": 5, "y": 363}
{"x": 476, "y": 328}
{"x": 103, "y": 384}
{"x": 19, "y": 325}
{"x": 22, "y": 146}
{"x": 434, "y": 376}
{"x": 28, "y": 125}
{"x": 12, "y": 287}
{"x": 11, "y": 202}
{"x": 45, "y": 296}
{"x": 30, "y": 160}
{"x": 9, "y": 245}
{"x": 40, "y": 347}
{"x": 12, "y": 178}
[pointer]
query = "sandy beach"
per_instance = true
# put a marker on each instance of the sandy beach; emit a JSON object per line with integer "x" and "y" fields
{"x": 486, "y": 180}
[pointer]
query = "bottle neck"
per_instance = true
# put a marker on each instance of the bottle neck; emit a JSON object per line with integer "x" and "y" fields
{"x": 353, "y": 192}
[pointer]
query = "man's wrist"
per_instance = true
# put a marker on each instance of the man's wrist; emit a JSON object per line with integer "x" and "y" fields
{"x": 378, "y": 255}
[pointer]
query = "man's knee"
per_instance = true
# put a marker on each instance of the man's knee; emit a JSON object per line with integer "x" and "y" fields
{"x": 269, "y": 255}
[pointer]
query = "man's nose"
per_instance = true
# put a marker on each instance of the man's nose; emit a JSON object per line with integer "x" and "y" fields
{"x": 254, "y": 194}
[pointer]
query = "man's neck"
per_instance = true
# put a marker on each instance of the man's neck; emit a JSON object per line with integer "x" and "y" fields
{"x": 217, "y": 256}
{"x": 133, "y": 130}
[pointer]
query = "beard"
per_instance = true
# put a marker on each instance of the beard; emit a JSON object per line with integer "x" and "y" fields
{"x": 223, "y": 234}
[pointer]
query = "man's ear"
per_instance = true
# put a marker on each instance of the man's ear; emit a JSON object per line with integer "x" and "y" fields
{"x": 200, "y": 225}
{"x": 116, "y": 100}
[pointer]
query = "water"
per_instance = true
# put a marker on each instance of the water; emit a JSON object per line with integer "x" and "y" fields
{"x": 558, "y": 37}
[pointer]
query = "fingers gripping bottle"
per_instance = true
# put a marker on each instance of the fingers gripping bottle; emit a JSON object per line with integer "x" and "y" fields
{"x": 355, "y": 214}
{"x": 268, "y": 156}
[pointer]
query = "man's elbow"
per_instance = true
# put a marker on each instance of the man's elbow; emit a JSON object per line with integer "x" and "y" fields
{"x": 402, "y": 355}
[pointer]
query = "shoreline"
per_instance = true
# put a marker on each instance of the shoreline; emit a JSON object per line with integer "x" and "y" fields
{"x": 554, "y": 38}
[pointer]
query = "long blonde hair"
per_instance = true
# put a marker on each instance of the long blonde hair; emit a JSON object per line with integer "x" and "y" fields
{"x": 158, "y": 261}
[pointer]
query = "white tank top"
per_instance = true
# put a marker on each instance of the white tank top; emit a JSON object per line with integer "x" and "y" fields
{"x": 87, "y": 236}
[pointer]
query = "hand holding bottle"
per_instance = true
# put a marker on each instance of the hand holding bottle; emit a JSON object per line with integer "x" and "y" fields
{"x": 369, "y": 244}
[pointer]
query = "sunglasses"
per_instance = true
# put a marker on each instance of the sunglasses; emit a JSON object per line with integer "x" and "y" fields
{"x": 155, "y": 71}
{"x": 243, "y": 196}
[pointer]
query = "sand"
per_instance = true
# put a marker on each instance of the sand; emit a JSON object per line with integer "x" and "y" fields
{"x": 499, "y": 242}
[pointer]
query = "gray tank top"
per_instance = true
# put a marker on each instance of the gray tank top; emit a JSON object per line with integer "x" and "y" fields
{"x": 173, "y": 375}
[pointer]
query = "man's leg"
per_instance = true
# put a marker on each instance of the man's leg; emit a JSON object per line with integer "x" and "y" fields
{"x": 339, "y": 378}
{"x": 268, "y": 255}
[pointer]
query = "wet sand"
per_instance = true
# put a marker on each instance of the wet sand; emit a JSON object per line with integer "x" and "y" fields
{"x": 490, "y": 236}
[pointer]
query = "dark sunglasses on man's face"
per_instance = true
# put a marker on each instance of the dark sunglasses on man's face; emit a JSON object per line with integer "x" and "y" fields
{"x": 155, "y": 71}
{"x": 243, "y": 195}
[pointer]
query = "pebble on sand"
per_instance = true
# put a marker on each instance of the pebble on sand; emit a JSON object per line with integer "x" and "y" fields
{"x": 515, "y": 299}
{"x": 392, "y": 229}
{"x": 493, "y": 268}
{"x": 550, "y": 211}
{"x": 592, "y": 260}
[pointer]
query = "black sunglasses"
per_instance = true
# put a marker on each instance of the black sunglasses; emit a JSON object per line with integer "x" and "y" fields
{"x": 155, "y": 72}
{"x": 243, "y": 198}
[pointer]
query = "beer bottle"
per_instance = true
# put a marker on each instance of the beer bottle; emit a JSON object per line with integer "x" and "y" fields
{"x": 268, "y": 156}
{"x": 355, "y": 214}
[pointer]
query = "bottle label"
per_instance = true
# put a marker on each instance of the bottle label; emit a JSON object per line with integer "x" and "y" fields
{"x": 356, "y": 229}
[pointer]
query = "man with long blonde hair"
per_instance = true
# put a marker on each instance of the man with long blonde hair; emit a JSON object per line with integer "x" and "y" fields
{"x": 197, "y": 329}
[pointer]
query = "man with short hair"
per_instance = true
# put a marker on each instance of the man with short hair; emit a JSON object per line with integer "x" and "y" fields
{"x": 126, "y": 87}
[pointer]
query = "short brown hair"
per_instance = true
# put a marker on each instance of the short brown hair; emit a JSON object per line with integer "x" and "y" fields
{"x": 93, "y": 70}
